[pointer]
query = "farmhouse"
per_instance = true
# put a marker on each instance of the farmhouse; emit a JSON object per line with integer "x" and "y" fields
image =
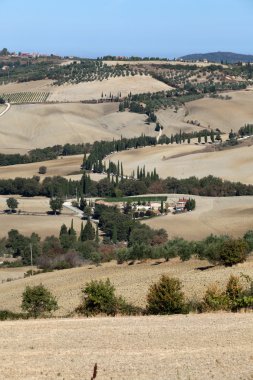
{"x": 180, "y": 205}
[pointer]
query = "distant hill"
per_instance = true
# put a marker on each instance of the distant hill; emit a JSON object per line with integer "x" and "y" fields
{"x": 219, "y": 56}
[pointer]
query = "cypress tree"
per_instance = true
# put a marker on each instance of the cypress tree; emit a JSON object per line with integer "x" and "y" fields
{"x": 63, "y": 230}
{"x": 114, "y": 234}
{"x": 97, "y": 235}
{"x": 88, "y": 232}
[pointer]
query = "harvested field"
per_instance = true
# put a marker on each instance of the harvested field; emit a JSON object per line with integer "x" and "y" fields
{"x": 88, "y": 90}
{"x": 173, "y": 121}
{"x": 195, "y": 347}
{"x": 223, "y": 114}
{"x": 132, "y": 281}
{"x": 93, "y": 90}
{"x": 32, "y": 86}
{"x": 62, "y": 166}
{"x": 37, "y": 220}
{"x": 232, "y": 164}
{"x": 227, "y": 215}
{"x": 25, "y": 127}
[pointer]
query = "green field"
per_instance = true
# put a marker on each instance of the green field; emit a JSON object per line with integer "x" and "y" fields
{"x": 136, "y": 199}
{"x": 25, "y": 97}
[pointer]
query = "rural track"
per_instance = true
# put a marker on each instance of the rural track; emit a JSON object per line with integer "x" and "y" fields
{"x": 6, "y": 109}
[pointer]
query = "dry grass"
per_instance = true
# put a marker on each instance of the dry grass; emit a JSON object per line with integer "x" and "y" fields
{"x": 132, "y": 281}
{"x": 233, "y": 165}
{"x": 216, "y": 346}
{"x": 89, "y": 90}
{"x": 223, "y": 114}
{"x": 26, "y": 127}
{"x": 43, "y": 224}
{"x": 229, "y": 215}
{"x": 93, "y": 90}
{"x": 59, "y": 167}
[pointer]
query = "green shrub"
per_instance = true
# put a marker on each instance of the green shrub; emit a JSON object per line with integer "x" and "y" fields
{"x": 9, "y": 315}
{"x": 166, "y": 297}
{"x": 38, "y": 301}
{"x": 214, "y": 299}
{"x": 98, "y": 298}
{"x": 233, "y": 251}
{"x": 248, "y": 237}
{"x": 234, "y": 291}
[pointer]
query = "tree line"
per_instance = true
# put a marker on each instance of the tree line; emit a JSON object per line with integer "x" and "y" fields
{"x": 44, "y": 154}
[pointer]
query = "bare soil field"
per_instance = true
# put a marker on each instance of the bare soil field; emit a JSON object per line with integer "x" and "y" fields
{"x": 223, "y": 114}
{"x": 227, "y": 215}
{"x": 25, "y": 127}
{"x": 37, "y": 220}
{"x": 63, "y": 166}
{"x": 233, "y": 164}
{"x": 215, "y": 346}
{"x": 130, "y": 281}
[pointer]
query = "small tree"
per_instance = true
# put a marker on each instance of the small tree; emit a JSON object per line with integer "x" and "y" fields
{"x": 88, "y": 232}
{"x": 42, "y": 170}
{"x": 166, "y": 297}
{"x": 38, "y": 301}
{"x": 12, "y": 203}
{"x": 98, "y": 297}
{"x": 56, "y": 204}
{"x": 190, "y": 204}
{"x": 233, "y": 251}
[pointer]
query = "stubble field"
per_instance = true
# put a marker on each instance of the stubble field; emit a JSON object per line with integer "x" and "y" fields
{"x": 233, "y": 164}
{"x": 217, "y": 346}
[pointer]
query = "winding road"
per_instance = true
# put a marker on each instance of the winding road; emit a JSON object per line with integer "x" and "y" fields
{"x": 6, "y": 109}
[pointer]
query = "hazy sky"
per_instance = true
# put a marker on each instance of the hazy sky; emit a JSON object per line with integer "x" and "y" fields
{"x": 168, "y": 28}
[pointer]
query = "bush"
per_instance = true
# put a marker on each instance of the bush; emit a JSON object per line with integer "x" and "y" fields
{"x": 42, "y": 170}
{"x": 248, "y": 237}
{"x": 10, "y": 316}
{"x": 233, "y": 251}
{"x": 166, "y": 297}
{"x": 214, "y": 299}
{"x": 99, "y": 298}
{"x": 38, "y": 301}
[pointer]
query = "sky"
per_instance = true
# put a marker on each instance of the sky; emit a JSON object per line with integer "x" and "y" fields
{"x": 164, "y": 28}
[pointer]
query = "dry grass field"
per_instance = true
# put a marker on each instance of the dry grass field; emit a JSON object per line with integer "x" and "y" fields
{"x": 25, "y": 127}
{"x": 234, "y": 164}
{"x": 37, "y": 220}
{"x": 88, "y": 90}
{"x": 223, "y": 114}
{"x": 130, "y": 281}
{"x": 93, "y": 90}
{"x": 227, "y": 215}
{"x": 63, "y": 166}
{"x": 197, "y": 347}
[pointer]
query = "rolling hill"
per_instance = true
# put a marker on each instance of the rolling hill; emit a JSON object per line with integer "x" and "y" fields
{"x": 218, "y": 57}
